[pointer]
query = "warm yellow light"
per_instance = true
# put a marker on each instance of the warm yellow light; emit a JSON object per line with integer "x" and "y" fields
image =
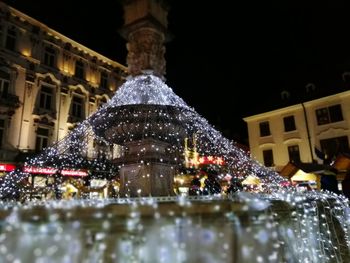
{"x": 202, "y": 180}
{"x": 111, "y": 87}
{"x": 183, "y": 190}
{"x": 251, "y": 180}
{"x": 91, "y": 78}
{"x": 302, "y": 176}
{"x": 26, "y": 52}
{"x": 66, "y": 69}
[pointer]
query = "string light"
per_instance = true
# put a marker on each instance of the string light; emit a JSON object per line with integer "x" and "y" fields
{"x": 146, "y": 109}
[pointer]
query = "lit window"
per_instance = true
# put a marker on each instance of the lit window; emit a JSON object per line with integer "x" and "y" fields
{"x": 49, "y": 57}
{"x": 79, "y": 69}
{"x": 2, "y": 131}
{"x": 104, "y": 80}
{"x": 294, "y": 154}
{"x": 42, "y": 139}
{"x": 268, "y": 158}
{"x": 289, "y": 123}
{"x": 329, "y": 114}
{"x": 77, "y": 107}
{"x": 264, "y": 129}
{"x": 45, "y": 101}
{"x": 11, "y": 39}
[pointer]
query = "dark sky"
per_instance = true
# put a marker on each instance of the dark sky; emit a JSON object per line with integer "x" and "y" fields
{"x": 227, "y": 59}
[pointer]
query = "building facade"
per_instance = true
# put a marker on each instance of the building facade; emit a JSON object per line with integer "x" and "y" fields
{"x": 48, "y": 83}
{"x": 313, "y": 131}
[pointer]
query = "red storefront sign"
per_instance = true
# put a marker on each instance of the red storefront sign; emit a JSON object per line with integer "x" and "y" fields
{"x": 39, "y": 170}
{"x": 4, "y": 167}
{"x": 50, "y": 171}
{"x": 74, "y": 173}
{"x": 211, "y": 160}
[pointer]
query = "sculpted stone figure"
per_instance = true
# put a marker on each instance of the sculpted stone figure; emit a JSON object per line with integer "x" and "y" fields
{"x": 146, "y": 52}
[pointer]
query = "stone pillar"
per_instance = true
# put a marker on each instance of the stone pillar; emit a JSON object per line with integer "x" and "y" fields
{"x": 149, "y": 173}
{"x": 145, "y": 26}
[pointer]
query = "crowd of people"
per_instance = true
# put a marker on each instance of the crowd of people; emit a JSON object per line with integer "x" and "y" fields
{"x": 209, "y": 184}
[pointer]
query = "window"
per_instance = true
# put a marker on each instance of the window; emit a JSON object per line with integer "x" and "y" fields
{"x": 77, "y": 107}
{"x": 4, "y": 84}
{"x": 329, "y": 114}
{"x": 79, "y": 69}
{"x": 268, "y": 158}
{"x": 45, "y": 101}
{"x": 322, "y": 116}
{"x": 294, "y": 154}
{"x": 49, "y": 57}
{"x": 264, "y": 129}
{"x": 2, "y": 131}
{"x": 11, "y": 39}
{"x": 331, "y": 147}
{"x": 335, "y": 113}
{"x": 289, "y": 123}
{"x": 104, "y": 80}
{"x": 42, "y": 139}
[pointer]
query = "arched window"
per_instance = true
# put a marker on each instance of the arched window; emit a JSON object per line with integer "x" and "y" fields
{"x": 285, "y": 95}
{"x": 310, "y": 87}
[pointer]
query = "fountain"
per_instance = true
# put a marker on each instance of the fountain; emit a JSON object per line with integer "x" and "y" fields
{"x": 140, "y": 138}
{"x": 148, "y": 126}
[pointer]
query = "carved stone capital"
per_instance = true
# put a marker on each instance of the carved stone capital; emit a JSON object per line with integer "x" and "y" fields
{"x": 146, "y": 52}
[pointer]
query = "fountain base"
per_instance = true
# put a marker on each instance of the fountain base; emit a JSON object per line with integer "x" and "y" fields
{"x": 147, "y": 169}
{"x": 155, "y": 179}
{"x": 247, "y": 228}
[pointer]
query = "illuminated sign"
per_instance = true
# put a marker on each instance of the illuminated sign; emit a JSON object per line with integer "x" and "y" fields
{"x": 211, "y": 160}
{"x": 7, "y": 167}
{"x": 195, "y": 160}
{"x": 74, "y": 173}
{"x": 49, "y": 171}
{"x": 39, "y": 170}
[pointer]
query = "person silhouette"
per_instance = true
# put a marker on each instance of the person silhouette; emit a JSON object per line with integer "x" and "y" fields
{"x": 195, "y": 188}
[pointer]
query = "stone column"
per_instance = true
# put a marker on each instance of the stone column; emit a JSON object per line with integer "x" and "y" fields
{"x": 145, "y": 30}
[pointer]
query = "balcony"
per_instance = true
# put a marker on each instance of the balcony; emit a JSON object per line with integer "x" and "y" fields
{"x": 8, "y": 103}
{"x": 49, "y": 112}
{"x": 9, "y": 100}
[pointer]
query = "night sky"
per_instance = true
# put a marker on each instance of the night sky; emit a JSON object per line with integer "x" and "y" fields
{"x": 227, "y": 59}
